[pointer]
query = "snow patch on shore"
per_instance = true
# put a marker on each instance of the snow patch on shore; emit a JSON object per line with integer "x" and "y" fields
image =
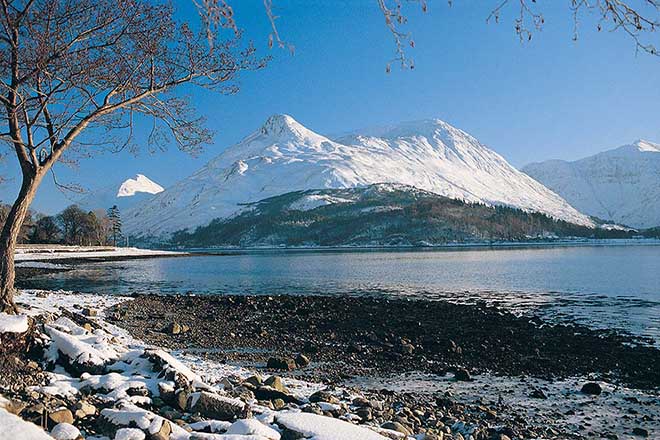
{"x": 75, "y": 252}
{"x": 131, "y": 374}
{"x": 41, "y": 265}
{"x": 13, "y": 427}
{"x": 315, "y": 427}
{"x": 13, "y": 323}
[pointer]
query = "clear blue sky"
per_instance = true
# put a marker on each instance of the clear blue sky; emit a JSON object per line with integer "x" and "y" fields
{"x": 550, "y": 98}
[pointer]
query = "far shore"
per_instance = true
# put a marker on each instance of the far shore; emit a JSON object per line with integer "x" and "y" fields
{"x": 216, "y": 250}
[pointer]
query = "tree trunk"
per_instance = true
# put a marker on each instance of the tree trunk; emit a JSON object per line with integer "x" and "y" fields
{"x": 9, "y": 238}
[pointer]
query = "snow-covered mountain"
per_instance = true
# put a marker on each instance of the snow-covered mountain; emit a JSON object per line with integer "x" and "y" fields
{"x": 620, "y": 185}
{"x": 284, "y": 156}
{"x": 125, "y": 195}
{"x": 141, "y": 184}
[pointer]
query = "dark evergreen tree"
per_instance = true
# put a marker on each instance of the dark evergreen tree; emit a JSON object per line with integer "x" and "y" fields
{"x": 115, "y": 222}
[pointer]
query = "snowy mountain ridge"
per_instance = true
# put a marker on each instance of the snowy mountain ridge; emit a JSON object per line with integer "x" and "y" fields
{"x": 620, "y": 185}
{"x": 284, "y": 156}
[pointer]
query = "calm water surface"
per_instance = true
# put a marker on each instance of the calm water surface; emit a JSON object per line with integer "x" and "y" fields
{"x": 604, "y": 286}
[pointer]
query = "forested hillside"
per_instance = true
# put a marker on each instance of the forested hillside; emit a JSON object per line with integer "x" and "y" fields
{"x": 379, "y": 215}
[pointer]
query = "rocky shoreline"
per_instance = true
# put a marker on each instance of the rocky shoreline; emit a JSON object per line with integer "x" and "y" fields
{"x": 290, "y": 367}
{"x": 352, "y": 336}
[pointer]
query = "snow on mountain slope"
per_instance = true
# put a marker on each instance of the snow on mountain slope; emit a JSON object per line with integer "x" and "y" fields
{"x": 129, "y": 193}
{"x": 285, "y": 156}
{"x": 620, "y": 185}
{"x": 141, "y": 184}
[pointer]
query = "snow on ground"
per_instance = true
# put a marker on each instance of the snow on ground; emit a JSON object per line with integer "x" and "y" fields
{"x": 14, "y": 428}
{"x": 40, "y": 265}
{"x": 313, "y": 201}
{"x": 81, "y": 252}
{"x": 65, "y": 431}
{"x": 125, "y": 375}
{"x": 13, "y": 323}
{"x": 315, "y": 427}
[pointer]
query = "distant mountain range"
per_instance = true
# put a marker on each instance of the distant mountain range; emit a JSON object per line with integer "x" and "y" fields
{"x": 125, "y": 194}
{"x": 379, "y": 215}
{"x": 283, "y": 156}
{"x": 620, "y": 185}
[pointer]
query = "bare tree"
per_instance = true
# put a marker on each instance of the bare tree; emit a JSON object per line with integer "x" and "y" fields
{"x": 639, "y": 19}
{"x": 72, "y": 70}
{"x": 78, "y": 74}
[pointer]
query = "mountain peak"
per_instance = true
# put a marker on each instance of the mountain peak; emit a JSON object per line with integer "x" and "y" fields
{"x": 428, "y": 128}
{"x": 619, "y": 185}
{"x": 140, "y": 184}
{"x": 279, "y": 124}
{"x": 643, "y": 145}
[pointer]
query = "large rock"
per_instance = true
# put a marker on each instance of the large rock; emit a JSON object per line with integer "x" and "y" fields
{"x": 75, "y": 355}
{"x": 62, "y": 415}
{"x": 397, "y": 427}
{"x": 307, "y": 425}
{"x": 84, "y": 409}
{"x": 162, "y": 433}
{"x": 281, "y": 363}
{"x": 167, "y": 392}
{"x": 592, "y": 388}
{"x": 65, "y": 431}
{"x": 88, "y": 311}
{"x": 462, "y": 374}
{"x": 170, "y": 368}
{"x": 175, "y": 328}
{"x": 269, "y": 393}
{"x": 323, "y": 396}
{"x": 181, "y": 398}
{"x": 254, "y": 381}
{"x": 276, "y": 382}
{"x": 12, "y": 406}
{"x": 214, "y": 406}
{"x": 302, "y": 361}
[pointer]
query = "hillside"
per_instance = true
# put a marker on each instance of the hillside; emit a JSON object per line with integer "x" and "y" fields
{"x": 377, "y": 215}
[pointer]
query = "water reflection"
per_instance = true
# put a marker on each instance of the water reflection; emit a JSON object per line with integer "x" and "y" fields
{"x": 605, "y": 286}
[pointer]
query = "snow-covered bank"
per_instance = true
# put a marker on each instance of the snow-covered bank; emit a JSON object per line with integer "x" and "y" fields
{"x": 113, "y": 386}
{"x": 44, "y": 253}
